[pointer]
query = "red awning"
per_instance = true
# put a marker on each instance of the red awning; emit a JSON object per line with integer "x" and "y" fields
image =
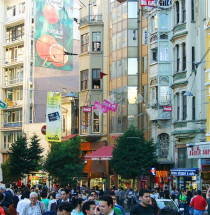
{"x": 103, "y": 153}
{"x": 69, "y": 137}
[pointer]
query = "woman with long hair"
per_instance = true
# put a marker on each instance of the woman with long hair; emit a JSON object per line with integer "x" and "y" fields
{"x": 13, "y": 206}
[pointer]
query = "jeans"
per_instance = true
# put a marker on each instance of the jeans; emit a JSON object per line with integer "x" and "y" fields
{"x": 197, "y": 212}
{"x": 122, "y": 202}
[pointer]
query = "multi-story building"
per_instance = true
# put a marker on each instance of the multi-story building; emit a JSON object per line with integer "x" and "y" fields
{"x": 160, "y": 75}
{"x": 189, "y": 93}
{"x": 24, "y": 86}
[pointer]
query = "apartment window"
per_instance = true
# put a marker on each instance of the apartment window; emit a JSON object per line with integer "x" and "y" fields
{"x": 193, "y": 108}
{"x": 22, "y": 8}
{"x": 144, "y": 64}
{"x": 177, "y": 12}
{"x": 144, "y": 93}
{"x": 133, "y": 37}
{"x": 14, "y": 33}
{"x": 85, "y": 43}
{"x": 177, "y": 57}
{"x": 193, "y": 58}
{"x": 84, "y": 120}
{"x": 84, "y": 80}
{"x": 154, "y": 54}
{"x": 96, "y": 123}
{"x": 132, "y": 66}
{"x": 184, "y": 110}
{"x": 11, "y": 11}
{"x": 154, "y": 24}
{"x": 182, "y": 157}
{"x": 192, "y": 10}
{"x": 164, "y": 94}
{"x": 132, "y": 10}
{"x": 184, "y": 57}
{"x": 96, "y": 44}
{"x": 177, "y": 107}
{"x": 183, "y": 11}
{"x": 14, "y": 54}
{"x": 96, "y": 82}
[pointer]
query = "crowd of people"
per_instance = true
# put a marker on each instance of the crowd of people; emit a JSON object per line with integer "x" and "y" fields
{"x": 40, "y": 200}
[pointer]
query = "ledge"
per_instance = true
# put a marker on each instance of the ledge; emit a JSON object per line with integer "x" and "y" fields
{"x": 179, "y": 83}
{"x": 179, "y": 35}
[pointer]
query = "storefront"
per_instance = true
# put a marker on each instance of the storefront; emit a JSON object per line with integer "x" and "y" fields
{"x": 185, "y": 178}
{"x": 37, "y": 179}
{"x": 205, "y": 174}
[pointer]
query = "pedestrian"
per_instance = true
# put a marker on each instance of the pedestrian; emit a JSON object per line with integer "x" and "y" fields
{"x": 77, "y": 206}
{"x": 187, "y": 206}
{"x": 3, "y": 209}
{"x": 35, "y": 206}
{"x": 64, "y": 198}
{"x": 122, "y": 197}
{"x": 64, "y": 208}
{"x": 8, "y": 196}
{"x": 89, "y": 208}
{"x": 166, "y": 193}
{"x": 117, "y": 208}
{"x": 199, "y": 204}
{"x": 208, "y": 200}
{"x": 106, "y": 205}
{"x": 13, "y": 206}
{"x": 145, "y": 206}
{"x": 130, "y": 198}
{"x": 183, "y": 199}
{"x": 52, "y": 200}
{"x": 22, "y": 203}
{"x": 44, "y": 198}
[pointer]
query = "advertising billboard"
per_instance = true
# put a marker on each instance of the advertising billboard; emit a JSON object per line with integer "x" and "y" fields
{"x": 54, "y": 34}
{"x": 53, "y": 117}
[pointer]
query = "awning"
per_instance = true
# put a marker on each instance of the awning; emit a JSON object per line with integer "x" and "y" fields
{"x": 184, "y": 171}
{"x": 69, "y": 137}
{"x": 103, "y": 153}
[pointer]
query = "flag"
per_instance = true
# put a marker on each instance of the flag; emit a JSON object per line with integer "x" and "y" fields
{"x": 102, "y": 75}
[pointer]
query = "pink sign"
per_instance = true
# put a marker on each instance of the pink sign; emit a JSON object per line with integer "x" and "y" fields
{"x": 87, "y": 109}
{"x": 167, "y": 108}
{"x": 105, "y": 106}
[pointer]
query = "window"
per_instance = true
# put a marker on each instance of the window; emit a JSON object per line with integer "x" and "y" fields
{"x": 132, "y": 66}
{"x": 183, "y": 11}
{"x": 182, "y": 157}
{"x": 177, "y": 57}
{"x": 184, "y": 57}
{"x": 133, "y": 37}
{"x": 144, "y": 64}
{"x": 14, "y": 33}
{"x": 132, "y": 10}
{"x": 144, "y": 93}
{"x": 163, "y": 53}
{"x": 154, "y": 53}
{"x": 154, "y": 24}
{"x": 96, "y": 123}
{"x": 177, "y": 106}
{"x": 192, "y": 10}
{"x": 22, "y": 8}
{"x": 96, "y": 44}
{"x": 11, "y": 12}
{"x": 193, "y": 108}
{"x": 14, "y": 54}
{"x": 84, "y": 120}
{"x": 193, "y": 58}
{"x": 164, "y": 21}
{"x": 96, "y": 82}
{"x": 164, "y": 94}
{"x": 184, "y": 110}
{"x": 177, "y": 12}
{"x": 85, "y": 43}
{"x": 84, "y": 80}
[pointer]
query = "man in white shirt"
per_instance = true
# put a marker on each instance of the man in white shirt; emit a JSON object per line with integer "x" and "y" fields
{"x": 22, "y": 203}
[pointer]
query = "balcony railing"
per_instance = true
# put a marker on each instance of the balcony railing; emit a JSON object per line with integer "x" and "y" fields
{"x": 14, "y": 81}
{"x": 12, "y": 124}
{"x": 92, "y": 19}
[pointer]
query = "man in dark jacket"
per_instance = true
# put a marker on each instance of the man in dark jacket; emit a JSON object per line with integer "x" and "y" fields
{"x": 8, "y": 196}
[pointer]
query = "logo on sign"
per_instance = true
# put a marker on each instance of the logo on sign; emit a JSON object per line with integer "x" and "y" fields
{"x": 167, "y": 108}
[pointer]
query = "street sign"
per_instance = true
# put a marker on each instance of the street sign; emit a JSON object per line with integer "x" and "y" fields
{"x": 43, "y": 129}
{"x": 3, "y": 105}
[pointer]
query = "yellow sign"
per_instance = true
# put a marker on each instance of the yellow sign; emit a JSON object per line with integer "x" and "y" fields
{"x": 9, "y": 102}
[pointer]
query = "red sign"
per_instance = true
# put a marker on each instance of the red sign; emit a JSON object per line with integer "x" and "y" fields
{"x": 43, "y": 129}
{"x": 150, "y": 3}
{"x": 87, "y": 109}
{"x": 200, "y": 151}
{"x": 167, "y": 108}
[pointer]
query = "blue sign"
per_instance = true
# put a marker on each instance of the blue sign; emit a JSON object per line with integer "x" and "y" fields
{"x": 3, "y": 105}
{"x": 153, "y": 171}
{"x": 205, "y": 161}
{"x": 184, "y": 172}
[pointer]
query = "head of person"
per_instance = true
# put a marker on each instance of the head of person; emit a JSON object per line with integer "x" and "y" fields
{"x": 52, "y": 195}
{"x": 168, "y": 211}
{"x": 199, "y": 192}
{"x": 88, "y": 208}
{"x": 94, "y": 193}
{"x": 26, "y": 194}
{"x": 105, "y": 204}
{"x": 43, "y": 194}
{"x": 77, "y": 203}
{"x": 64, "y": 194}
{"x": 64, "y": 208}
{"x": 112, "y": 194}
{"x": 33, "y": 198}
{"x": 184, "y": 192}
{"x": 15, "y": 201}
{"x": 2, "y": 188}
{"x": 144, "y": 196}
{"x": 91, "y": 198}
{"x": 58, "y": 196}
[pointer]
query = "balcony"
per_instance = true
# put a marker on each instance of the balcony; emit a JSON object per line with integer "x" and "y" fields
{"x": 13, "y": 83}
{"x": 91, "y": 20}
{"x": 8, "y": 126}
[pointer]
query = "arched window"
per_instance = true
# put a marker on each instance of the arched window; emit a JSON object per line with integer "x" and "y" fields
{"x": 163, "y": 145}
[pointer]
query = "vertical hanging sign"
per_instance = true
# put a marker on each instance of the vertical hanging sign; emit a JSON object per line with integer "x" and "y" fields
{"x": 53, "y": 117}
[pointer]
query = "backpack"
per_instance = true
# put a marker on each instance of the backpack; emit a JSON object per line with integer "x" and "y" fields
{"x": 2, "y": 211}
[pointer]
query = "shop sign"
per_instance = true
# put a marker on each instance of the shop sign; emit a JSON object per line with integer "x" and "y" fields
{"x": 199, "y": 151}
{"x": 3, "y": 105}
{"x": 183, "y": 172}
{"x": 153, "y": 171}
{"x": 205, "y": 161}
{"x": 87, "y": 109}
{"x": 167, "y": 108}
{"x": 43, "y": 129}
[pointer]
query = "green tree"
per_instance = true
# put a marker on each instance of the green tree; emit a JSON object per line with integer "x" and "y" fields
{"x": 35, "y": 154}
{"x": 18, "y": 156}
{"x": 64, "y": 161}
{"x": 134, "y": 154}
{"x": 6, "y": 172}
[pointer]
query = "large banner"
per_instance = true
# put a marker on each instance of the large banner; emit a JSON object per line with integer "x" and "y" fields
{"x": 53, "y": 117}
{"x": 54, "y": 34}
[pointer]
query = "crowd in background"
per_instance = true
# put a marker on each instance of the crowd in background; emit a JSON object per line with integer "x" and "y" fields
{"x": 81, "y": 200}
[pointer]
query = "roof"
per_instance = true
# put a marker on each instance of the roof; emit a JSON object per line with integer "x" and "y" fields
{"x": 103, "y": 153}
{"x": 69, "y": 137}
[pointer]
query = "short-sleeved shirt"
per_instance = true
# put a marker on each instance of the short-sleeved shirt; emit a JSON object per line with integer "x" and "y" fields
{"x": 140, "y": 210}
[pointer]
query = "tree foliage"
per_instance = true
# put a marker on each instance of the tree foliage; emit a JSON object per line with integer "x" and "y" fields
{"x": 64, "y": 161}
{"x": 6, "y": 172}
{"x": 23, "y": 158}
{"x": 133, "y": 155}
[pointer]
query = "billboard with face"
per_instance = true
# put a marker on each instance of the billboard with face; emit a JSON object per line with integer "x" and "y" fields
{"x": 54, "y": 34}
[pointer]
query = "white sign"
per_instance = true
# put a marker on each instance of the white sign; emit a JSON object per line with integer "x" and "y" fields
{"x": 199, "y": 151}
